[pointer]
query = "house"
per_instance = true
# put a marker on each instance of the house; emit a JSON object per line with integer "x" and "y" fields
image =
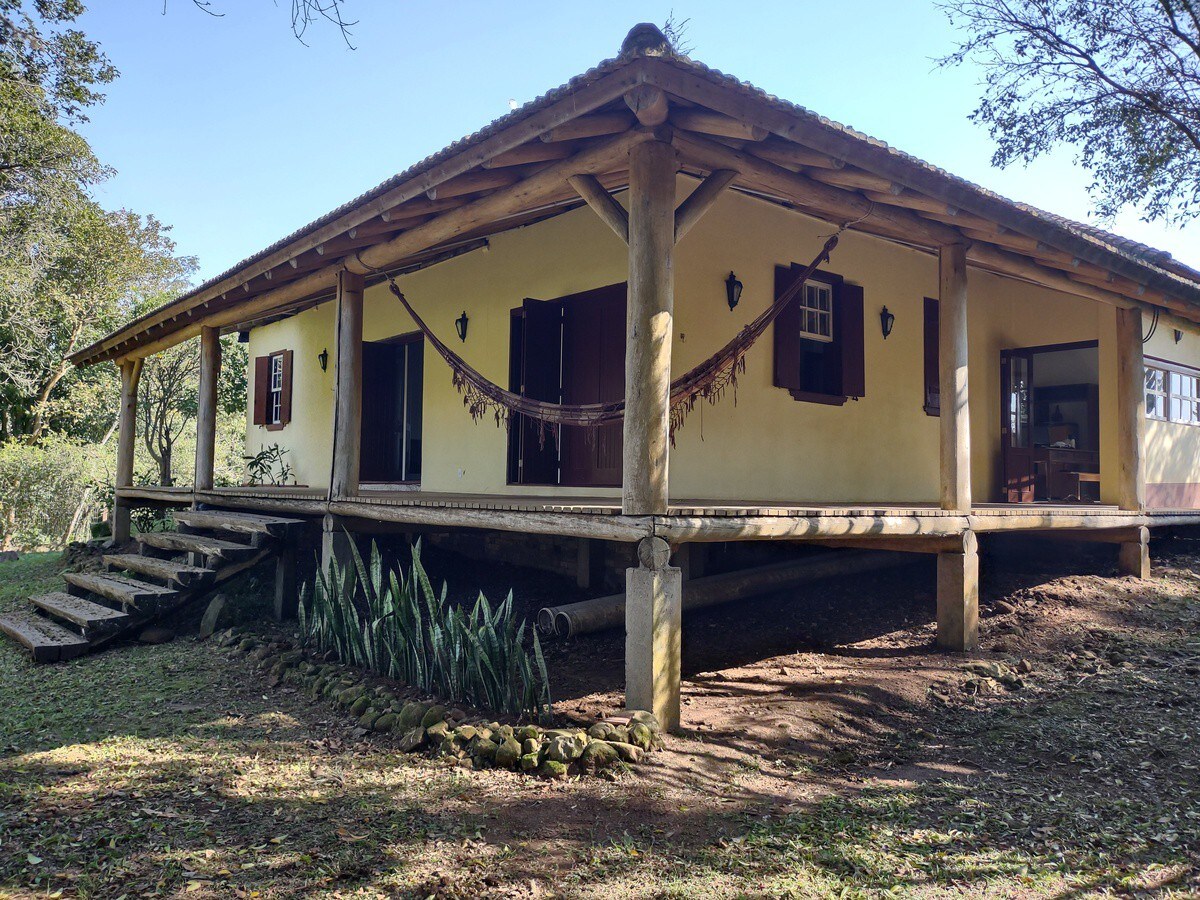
{"x": 957, "y": 365}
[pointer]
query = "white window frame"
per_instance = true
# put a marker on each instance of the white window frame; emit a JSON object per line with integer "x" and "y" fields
{"x": 1177, "y": 400}
{"x": 816, "y": 311}
{"x": 275, "y": 391}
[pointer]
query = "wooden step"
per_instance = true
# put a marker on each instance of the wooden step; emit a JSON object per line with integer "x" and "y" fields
{"x": 165, "y": 569}
{"x": 237, "y": 522}
{"x": 210, "y": 547}
{"x": 126, "y": 591}
{"x": 91, "y": 617}
{"x": 47, "y": 641}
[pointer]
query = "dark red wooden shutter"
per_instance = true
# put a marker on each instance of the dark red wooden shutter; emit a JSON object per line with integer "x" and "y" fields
{"x": 541, "y": 348}
{"x": 933, "y": 385}
{"x": 850, "y": 338}
{"x": 262, "y": 386}
{"x": 285, "y": 394}
{"x": 787, "y": 336}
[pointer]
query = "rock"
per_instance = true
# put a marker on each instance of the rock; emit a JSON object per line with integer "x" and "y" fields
{"x": 465, "y": 732}
{"x": 263, "y": 652}
{"x": 531, "y": 745}
{"x": 359, "y": 706}
{"x": 641, "y": 717}
{"x": 565, "y": 748}
{"x": 598, "y": 755}
{"x": 529, "y": 762}
{"x": 504, "y": 732}
{"x": 1024, "y": 667}
{"x": 601, "y": 731}
{"x": 1003, "y": 607}
{"x": 245, "y": 645}
{"x": 456, "y": 715}
{"x": 508, "y": 754}
{"x": 987, "y": 669}
{"x": 385, "y": 723}
{"x": 349, "y": 695}
{"x": 412, "y": 714}
{"x": 629, "y": 753}
{"x": 156, "y": 634}
{"x": 208, "y": 623}
{"x": 412, "y": 739}
{"x": 552, "y": 769}
{"x": 483, "y": 749}
{"x": 433, "y": 715}
{"x": 641, "y": 736}
{"x": 367, "y": 720}
{"x": 437, "y": 733}
{"x": 9, "y": 555}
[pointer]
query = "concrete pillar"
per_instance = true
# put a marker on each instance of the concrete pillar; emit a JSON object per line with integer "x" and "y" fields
{"x": 1133, "y": 557}
{"x": 206, "y": 407}
{"x": 954, "y": 418}
{"x": 347, "y": 416}
{"x": 131, "y": 372}
{"x": 335, "y": 544}
{"x": 653, "y": 620}
{"x": 958, "y": 597}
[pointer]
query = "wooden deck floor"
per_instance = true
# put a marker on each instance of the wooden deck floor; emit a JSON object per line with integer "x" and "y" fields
{"x": 687, "y": 519}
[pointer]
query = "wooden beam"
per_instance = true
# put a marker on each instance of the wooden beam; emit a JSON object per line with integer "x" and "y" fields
{"x": 955, "y": 419}
{"x": 652, "y": 169}
{"x": 855, "y": 180}
{"x": 131, "y": 372}
{"x": 1131, "y": 412}
{"x": 649, "y": 104}
{"x": 473, "y": 182}
{"x": 898, "y": 544}
{"x": 603, "y": 203}
{"x": 594, "y": 125}
{"x": 347, "y": 416}
{"x": 791, "y": 155}
{"x": 707, "y": 122}
{"x": 700, "y": 201}
{"x": 206, "y": 408}
{"x": 536, "y": 151}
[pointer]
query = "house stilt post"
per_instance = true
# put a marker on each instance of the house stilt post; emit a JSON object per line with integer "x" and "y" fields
{"x": 206, "y": 407}
{"x": 957, "y": 570}
{"x": 1133, "y": 557}
{"x": 131, "y": 372}
{"x": 347, "y": 415}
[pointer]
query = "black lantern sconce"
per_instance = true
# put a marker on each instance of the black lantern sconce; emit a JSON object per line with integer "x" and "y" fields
{"x": 887, "y": 321}
{"x": 323, "y": 359}
{"x": 733, "y": 291}
{"x": 243, "y": 337}
{"x": 1178, "y": 335}
{"x": 460, "y": 325}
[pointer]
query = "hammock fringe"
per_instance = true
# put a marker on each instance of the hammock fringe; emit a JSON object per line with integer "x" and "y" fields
{"x": 709, "y": 381}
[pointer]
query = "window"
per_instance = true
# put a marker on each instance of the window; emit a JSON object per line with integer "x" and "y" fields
{"x": 1172, "y": 395}
{"x": 276, "y": 399}
{"x": 273, "y": 390}
{"x": 816, "y": 311}
{"x": 819, "y": 338}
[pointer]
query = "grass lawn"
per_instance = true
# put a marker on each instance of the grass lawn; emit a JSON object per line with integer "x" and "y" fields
{"x": 174, "y": 770}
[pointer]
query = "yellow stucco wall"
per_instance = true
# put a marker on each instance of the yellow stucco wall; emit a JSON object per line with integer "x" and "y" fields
{"x": 759, "y": 446}
{"x": 1172, "y": 450}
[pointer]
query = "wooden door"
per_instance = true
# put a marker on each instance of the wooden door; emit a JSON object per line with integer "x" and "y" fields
{"x": 1016, "y": 427}
{"x": 382, "y": 412}
{"x": 593, "y": 372}
{"x": 535, "y": 370}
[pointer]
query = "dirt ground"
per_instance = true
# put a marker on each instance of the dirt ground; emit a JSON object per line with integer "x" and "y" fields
{"x": 828, "y": 750}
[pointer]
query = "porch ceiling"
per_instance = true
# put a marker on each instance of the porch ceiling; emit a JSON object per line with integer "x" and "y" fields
{"x": 516, "y": 171}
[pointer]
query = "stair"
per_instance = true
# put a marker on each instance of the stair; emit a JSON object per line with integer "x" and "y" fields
{"x": 98, "y": 608}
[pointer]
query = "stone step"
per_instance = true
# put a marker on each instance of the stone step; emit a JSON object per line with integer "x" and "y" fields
{"x": 164, "y": 569}
{"x": 46, "y": 641}
{"x": 209, "y": 547}
{"x": 237, "y": 522}
{"x": 126, "y": 591}
{"x": 91, "y": 618}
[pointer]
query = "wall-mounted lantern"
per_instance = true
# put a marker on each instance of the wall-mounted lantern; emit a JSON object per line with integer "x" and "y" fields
{"x": 887, "y": 321}
{"x": 733, "y": 291}
{"x": 1178, "y": 335}
{"x": 460, "y": 325}
{"x": 243, "y": 337}
{"x": 323, "y": 359}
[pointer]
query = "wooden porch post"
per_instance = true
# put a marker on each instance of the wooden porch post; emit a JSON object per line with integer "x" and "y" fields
{"x": 131, "y": 372}
{"x": 653, "y": 589}
{"x": 1134, "y": 558}
{"x": 206, "y": 411}
{"x": 347, "y": 417}
{"x": 957, "y": 572}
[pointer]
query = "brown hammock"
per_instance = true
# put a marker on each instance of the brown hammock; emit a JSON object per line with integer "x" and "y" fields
{"x": 706, "y": 381}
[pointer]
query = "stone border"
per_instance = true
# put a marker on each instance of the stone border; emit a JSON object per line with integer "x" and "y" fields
{"x": 449, "y": 733}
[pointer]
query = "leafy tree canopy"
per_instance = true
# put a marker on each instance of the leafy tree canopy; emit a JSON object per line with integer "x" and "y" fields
{"x": 1117, "y": 81}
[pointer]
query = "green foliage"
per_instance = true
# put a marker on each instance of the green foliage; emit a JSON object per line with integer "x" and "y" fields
{"x": 48, "y": 493}
{"x": 267, "y": 466}
{"x": 395, "y": 624}
{"x": 1118, "y": 82}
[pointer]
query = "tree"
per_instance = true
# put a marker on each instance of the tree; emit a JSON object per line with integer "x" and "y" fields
{"x": 304, "y": 14}
{"x": 1119, "y": 82}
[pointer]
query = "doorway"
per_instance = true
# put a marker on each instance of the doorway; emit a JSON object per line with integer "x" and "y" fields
{"x": 393, "y": 377}
{"x": 570, "y": 350}
{"x": 1050, "y": 423}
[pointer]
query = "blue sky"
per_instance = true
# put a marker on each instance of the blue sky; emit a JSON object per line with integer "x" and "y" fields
{"x": 236, "y": 134}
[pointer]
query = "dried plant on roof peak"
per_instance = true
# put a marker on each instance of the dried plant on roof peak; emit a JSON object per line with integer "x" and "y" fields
{"x": 1118, "y": 82}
